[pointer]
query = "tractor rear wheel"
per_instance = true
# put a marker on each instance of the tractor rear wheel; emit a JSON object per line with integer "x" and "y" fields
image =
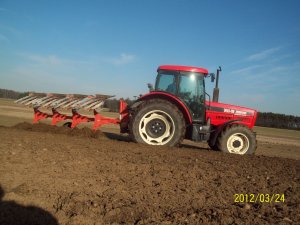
{"x": 157, "y": 122}
{"x": 237, "y": 139}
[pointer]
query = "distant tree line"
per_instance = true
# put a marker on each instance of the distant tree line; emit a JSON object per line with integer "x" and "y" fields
{"x": 276, "y": 120}
{"x": 264, "y": 119}
{"x": 4, "y": 93}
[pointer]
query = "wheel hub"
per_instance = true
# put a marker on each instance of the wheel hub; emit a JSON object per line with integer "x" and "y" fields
{"x": 238, "y": 143}
{"x": 155, "y": 128}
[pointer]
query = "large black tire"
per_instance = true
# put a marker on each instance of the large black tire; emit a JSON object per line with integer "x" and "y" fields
{"x": 237, "y": 139}
{"x": 157, "y": 122}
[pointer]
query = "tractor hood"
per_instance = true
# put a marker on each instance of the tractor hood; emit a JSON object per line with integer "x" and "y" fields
{"x": 219, "y": 113}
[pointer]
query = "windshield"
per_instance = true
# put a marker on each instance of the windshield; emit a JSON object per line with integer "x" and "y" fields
{"x": 191, "y": 86}
{"x": 184, "y": 84}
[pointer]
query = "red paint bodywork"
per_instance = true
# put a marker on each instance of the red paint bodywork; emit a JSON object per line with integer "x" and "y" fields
{"x": 171, "y": 98}
{"x": 183, "y": 68}
{"x": 219, "y": 113}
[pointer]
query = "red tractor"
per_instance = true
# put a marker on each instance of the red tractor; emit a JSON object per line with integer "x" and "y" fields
{"x": 177, "y": 108}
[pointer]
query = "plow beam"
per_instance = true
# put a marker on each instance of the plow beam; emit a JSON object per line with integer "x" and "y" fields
{"x": 101, "y": 120}
{"x": 98, "y": 120}
{"x": 78, "y": 118}
{"x": 38, "y": 115}
{"x": 58, "y": 117}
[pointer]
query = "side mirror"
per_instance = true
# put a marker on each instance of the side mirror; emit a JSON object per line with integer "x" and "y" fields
{"x": 150, "y": 86}
{"x": 212, "y": 77}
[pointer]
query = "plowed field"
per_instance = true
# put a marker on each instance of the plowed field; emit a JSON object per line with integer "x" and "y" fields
{"x": 51, "y": 175}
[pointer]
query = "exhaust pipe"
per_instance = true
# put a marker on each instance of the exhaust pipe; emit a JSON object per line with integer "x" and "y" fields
{"x": 216, "y": 89}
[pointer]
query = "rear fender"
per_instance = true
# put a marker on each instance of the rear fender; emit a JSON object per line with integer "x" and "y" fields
{"x": 171, "y": 98}
{"x": 124, "y": 116}
{"x": 123, "y": 110}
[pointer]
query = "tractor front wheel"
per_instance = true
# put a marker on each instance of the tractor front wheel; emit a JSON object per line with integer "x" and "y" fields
{"x": 237, "y": 139}
{"x": 157, "y": 122}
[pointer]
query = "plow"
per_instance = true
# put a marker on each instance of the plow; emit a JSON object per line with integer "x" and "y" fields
{"x": 74, "y": 102}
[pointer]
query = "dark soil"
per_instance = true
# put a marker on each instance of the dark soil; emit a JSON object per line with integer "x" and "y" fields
{"x": 40, "y": 127}
{"x": 76, "y": 178}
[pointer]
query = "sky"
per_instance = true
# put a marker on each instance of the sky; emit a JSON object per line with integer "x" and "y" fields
{"x": 114, "y": 47}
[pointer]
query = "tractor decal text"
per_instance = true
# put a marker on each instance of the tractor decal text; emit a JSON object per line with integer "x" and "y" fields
{"x": 235, "y": 112}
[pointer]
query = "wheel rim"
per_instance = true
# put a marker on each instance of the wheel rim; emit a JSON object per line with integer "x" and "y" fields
{"x": 238, "y": 143}
{"x": 156, "y": 127}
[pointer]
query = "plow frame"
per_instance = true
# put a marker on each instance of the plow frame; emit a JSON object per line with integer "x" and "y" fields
{"x": 75, "y": 102}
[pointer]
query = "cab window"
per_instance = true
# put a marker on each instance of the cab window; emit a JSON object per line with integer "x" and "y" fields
{"x": 167, "y": 83}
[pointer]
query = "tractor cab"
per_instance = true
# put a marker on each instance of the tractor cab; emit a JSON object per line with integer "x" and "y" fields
{"x": 187, "y": 84}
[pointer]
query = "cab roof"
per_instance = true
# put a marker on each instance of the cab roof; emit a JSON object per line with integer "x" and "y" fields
{"x": 183, "y": 68}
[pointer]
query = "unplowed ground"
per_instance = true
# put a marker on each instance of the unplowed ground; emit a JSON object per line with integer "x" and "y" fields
{"x": 62, "y": 176}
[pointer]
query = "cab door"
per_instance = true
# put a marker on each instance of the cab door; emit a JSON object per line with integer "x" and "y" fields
{"x": 191, "y": 92}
